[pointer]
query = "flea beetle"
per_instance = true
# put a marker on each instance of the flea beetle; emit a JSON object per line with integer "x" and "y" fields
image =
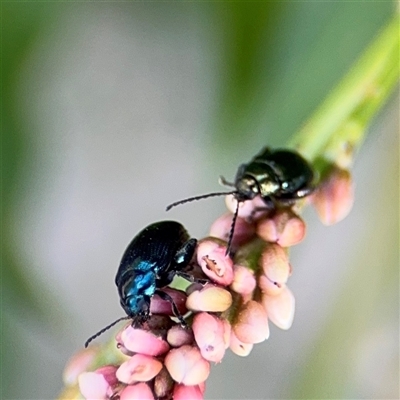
{"x": 279, "y": 177}
{"x": 150, "y": 262}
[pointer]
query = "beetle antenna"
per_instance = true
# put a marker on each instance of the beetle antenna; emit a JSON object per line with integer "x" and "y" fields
{"x": 224, "y": 182}
{"x": 203, "y": 196}
{"x": 232, "y": 228}
{"x": 104, "y": 329}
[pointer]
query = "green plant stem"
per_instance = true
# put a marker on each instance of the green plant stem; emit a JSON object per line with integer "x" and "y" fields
{"x": 338, "y": 126}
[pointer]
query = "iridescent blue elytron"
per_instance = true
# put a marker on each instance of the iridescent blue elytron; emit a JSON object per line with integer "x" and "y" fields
{"x": 150, "y": 262}
{"x": 279, "y": 177}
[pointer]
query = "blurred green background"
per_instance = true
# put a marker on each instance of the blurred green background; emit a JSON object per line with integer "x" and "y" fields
{"x": 111, "y": 111}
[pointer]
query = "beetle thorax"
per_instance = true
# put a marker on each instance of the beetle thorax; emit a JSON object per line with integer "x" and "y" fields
{"x": 268, "y": 187}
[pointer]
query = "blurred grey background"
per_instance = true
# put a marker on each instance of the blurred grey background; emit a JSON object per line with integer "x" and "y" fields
{"x": 111, "y": 111}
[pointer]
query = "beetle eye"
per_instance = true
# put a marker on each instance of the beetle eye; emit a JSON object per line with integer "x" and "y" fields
{"x": 247, "y": 188}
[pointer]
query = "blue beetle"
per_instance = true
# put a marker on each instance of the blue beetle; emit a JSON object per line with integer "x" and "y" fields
{"x": 150, "y": 262}
{"x": 279, "y": 177}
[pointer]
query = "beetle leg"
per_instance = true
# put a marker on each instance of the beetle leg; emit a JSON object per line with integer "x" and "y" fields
{"x": 286, "y": 202}
{"x": 165, "y": 279}
{"x": 192, "y": 278}
{"x": 290, "y": 198}
{"x": 264, "y": 154}
{"x": 304, "y": 192}
{"x": 167, "y": 297}
{"x": 265, "y": 210}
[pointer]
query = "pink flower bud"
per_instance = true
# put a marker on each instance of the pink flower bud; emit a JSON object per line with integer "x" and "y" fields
{"x": 211, "y": 298}
{"x": 109, "y": 374}
{"x": 79, "y": 363}
{"x": 202, "y": 386}
{"x": 178, "y": 336}
{"x": 209, "y": 333}
{"x": 251, "y": 325}
{"x": 239, "y": 348}
{"x": 139, "y": 368}
{"x": 275, "y": 263}
{"x": 227, "y": 332}
{"x": 244, "y": 281}
{"x": 99, "y": 384}
{"x": 268, "y": 287}
{"x": 280, "y": 308}
{"x": 334, "y": 199}
{"x": 253, "y": 209}
{"x": 182, "y": 392}
{"x": 284, "y": 228}
{"x": 214, "y": 263}
{"x": 247, "y": 297}
{"x": 93, "y": 386}
{"x": 118, "y": 339}
{"x": 244, "y": 231}
{"x": 163, "y": 384}
{"x": 207, "y": 246}
{"x": 160, "y": 306}
{"x": 138, "y": 340}
{"x": 140, "y": 391}
{"x": 187, "y": 366}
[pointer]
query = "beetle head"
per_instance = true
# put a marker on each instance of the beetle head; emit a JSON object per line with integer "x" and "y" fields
{"x": 136, "y": 306}
{"x": 247, "y": 188}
